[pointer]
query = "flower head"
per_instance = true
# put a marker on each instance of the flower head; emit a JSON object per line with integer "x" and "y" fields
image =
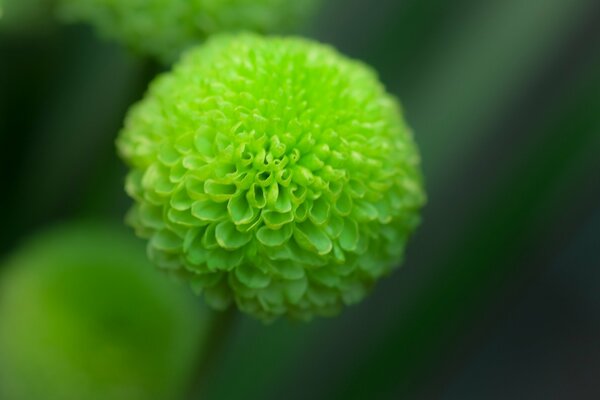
{"x": 273, "y": 172}
{"x": 164, "y": 28}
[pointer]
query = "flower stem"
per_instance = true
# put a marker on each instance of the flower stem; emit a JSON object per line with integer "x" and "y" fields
{"x": 219, "y": 332}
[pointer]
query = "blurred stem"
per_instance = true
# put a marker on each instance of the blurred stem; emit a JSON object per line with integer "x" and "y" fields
{"x": 214, "y": 343}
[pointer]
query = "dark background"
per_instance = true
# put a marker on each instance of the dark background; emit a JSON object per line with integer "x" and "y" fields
{"x": 500, "y": 295}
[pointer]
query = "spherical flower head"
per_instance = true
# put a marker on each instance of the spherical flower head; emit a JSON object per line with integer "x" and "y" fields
{"x": 163, "y": 28}
{"x": 83, "y": 316}
{"x": 273, "y": 172}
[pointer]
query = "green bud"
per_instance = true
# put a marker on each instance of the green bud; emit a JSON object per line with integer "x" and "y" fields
{"x": 273, "y": 172}
{"x": 82, "y": 316}
{"x": 20, "y": 16}
{"x": 163, "y": 28}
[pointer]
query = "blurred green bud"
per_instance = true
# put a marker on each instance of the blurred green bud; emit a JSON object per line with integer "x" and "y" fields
{"x": 164, "y": 28}
{"x": 24, "y": 15}
{"x": 82, "y": 316}
{"x": 274, "y": 172}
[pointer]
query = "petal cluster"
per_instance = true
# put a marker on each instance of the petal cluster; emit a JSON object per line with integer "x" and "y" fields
{"x": 272, "y": 172}
{"x": 163, "y": 28}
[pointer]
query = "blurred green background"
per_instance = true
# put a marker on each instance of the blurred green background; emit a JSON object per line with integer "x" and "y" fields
{"x": 500, "y": 295}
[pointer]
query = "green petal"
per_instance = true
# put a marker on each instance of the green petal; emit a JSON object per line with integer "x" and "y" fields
{"x": 203, "y": 141}
{"x": 349, "y": 236}
{"x": 197, "y": 254}
{"x": 168, "y": 155}
{"x": 325, "y": 276}
{"x": 298, "y": 193}
{"x": 224, "y": 260}
{"x": 181, "y": 201}
{"x": 301, "y": 212}
{"x": 200, "y": 282}
{"x": 219, "y": 191}
{"x": 357, "y": 188}
{"x": 184, "y": 218}
{"x": 209, "y": 239}
{"x": 195, "y": 188}
{"x": 319, "y": 213}
{"x": 338, "y": 254}
{"x": 270, "y": 296}
{"x": 275, "y": 220}
{"x": 240, "y": 211}
{"x": 274, "y": 237}
{"x": 229, "y": 237}
{"x": 252, "y": 277}
{"x": 365, "y": 211}
{"x": 295, "y": 289}
{"x": 309, "y": 236}
{"x": 283, "y": 203}
{"x": 343, "y": 204}
{"x": 151, "y": 216}
{"x": 303, "y": 176}
{"x": 272, "y": 195}
{"x": 208, "y": 210}
{"x": 256, "y": 196}
{"x": 334, "y": 227}
{"x": 291, "y": 271}
{"x": 166, "y": 240}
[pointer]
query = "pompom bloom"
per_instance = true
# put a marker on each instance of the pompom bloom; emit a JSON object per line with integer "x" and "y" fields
{"x": 83, "y": 316}
{"x": 274, "y": 172}
{"x": 164, "y": 28}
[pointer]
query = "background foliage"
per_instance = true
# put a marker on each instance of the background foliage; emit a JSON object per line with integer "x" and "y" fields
{"x": 499, "y": 294}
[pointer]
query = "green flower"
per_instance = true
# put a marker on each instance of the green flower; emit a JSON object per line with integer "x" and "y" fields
{"x": 274, "y": 172}
{"x": 164, "y": 28}
{"x": 82, "y": 316}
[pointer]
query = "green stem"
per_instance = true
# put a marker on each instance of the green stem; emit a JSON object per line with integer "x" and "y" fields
{"x": 220, "y": 330}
